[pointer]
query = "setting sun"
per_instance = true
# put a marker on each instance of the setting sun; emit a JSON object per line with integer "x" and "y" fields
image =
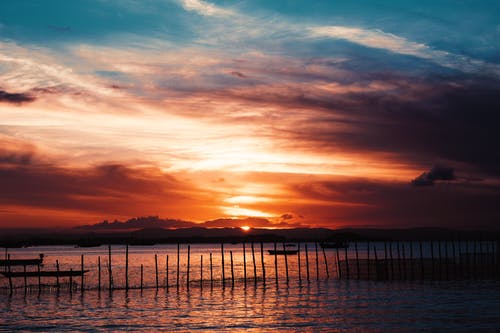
{"x": 245, "y": 228}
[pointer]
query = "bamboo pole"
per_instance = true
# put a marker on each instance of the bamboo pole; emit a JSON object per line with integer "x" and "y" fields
{"x": 188, "y": 266}
{"x": 447, "y": 262}
{"x": 376, "y": 261}
{"x": 440, "y": 261}
{"x": 211, "y": 272}
{"x": 178, "y": 265}
{"x": 275, "y": 264}
{"x": 433, "y": 271}
{"x": 71, "y": 281}
{"x": 317, "y": 260}
{"x": 232, "y": 269}
{"x": 338, "y": 263}
{"x": 39, "y": 278}
{"x": 357, "y": 259}
{"x": 307, "y": 262}
{"x": 422, "y": 269}
{"x": 126, "y": 267}
{"x": 399, "y": 262}
{"x": 11, "y": 287}
{"x": 262, "y": 261}
{"x": 368, "y": 258}
{"x": 392, "y": 259}
{"x": 57, "y": 275}
{"x": 475, "y": 260}
{"x": 298, "y": 262}
{"x": 99, "y": 273}
{"x": 453, "y": 250}
{"x": 110, "y": 272}
{"x": 156, "y": 271}
{"x": 404, "y": 260}
{"x": 386, "y": 266}
{"x": 166, "y": 272}
{"x": 348, "y": 275}
{"x": 142, "y": 276}
{"x": 254, "y": 265}
{"x": 286, "y": 264}
{"x": 222, "y": 268}
{"x": 326, "y": 263}
{"x": 412, "y": 264}
{"x": 82, "y": 289}
{"x": 25, "y": 280}
{"x": 244, "y": 264}
{"x": 201, "y": 272}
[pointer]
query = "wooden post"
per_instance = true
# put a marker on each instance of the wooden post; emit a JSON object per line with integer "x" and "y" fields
{"x": 357, "y": 259}
{"x": 326, "y": 264}
{"x": 244, "y": 264}
{"x": 447, "y": 262}
{"x": 82, "y": 289}
{"x": 166, "y": 272}
{"x": 404, "y": 260}
{"x": 481, "y": 258}
{"x": 57, "y": 275}
{"x": 298, "y": 262}
{"x": 99, "y": 273}
{"x": 440, "y": 261}
{"x": 201, "y": 272}
{"x": 348, "y": 275}
{"x": 433, "y": 271}
{"x": 156, "y": 271}
{"x": 39, "y": 278}
{"x": 25, "y": 280}
{"x": 211, "y": 272}
{"x": 453, "y": 250}
{"x": 475, "y": 260}
{"x": 468, "y": 261}
{"x": 399, "y": 262}
{"x": 142, "y": 275}
{"x": 254, "y": 265}
{"x": 110, "y": 269}
{"x": 392, "y": 259}
{"x": 376, "y": 262}
{"x": 368, "y": 258}
{"x": 339, "y": 273}
{"x": 126, "y": 267}
{"x": 307, "y": 262}
{"x": 275, "y": 264}
{"x": 386, "y": 266}
{"x": 317, "y": 260}
{"x": 412, "y": 263}
{"x": 222, "y": 268}
{"x": 71, "y": 281}
{"x": 188, "y": 266}
{"x": 232, "y": 269}
{"x": 422, "y": 270}
{"x": 11, "y": 287}
{"x": 262, "y": 261}
{"x": 286, "y": 264}
{"x": 178, "y": 265}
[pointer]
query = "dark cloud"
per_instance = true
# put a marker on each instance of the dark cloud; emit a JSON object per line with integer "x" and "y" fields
{"x": 15, "y": 98}
{"x": 433, "y": 175}
{"x": 359, "y": 202}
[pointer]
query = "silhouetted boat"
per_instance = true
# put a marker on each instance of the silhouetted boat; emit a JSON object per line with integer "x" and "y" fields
{"x": 44, "y": 273}
{"x": 334, "y": 245}
{"x": 88, "y": 244}
{"x": 283, "y": 252}
{"x": 290, "y": 245}
{"x": 22, "y": 262}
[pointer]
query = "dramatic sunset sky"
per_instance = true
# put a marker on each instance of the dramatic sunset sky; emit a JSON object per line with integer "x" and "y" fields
{"x": 305, "y": 113}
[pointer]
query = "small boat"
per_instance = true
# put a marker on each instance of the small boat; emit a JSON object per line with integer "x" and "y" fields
{"x": 283, "y": 252}
{"x": 22, "y": 262}
{"x": 44, "y": 273}
{"x": 88, "y": 244}
{"x": 334, "y": 245}
{"x": 290, "y": 245}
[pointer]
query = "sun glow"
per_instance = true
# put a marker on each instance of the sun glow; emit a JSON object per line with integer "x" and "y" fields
{"x": 245, "y": 228}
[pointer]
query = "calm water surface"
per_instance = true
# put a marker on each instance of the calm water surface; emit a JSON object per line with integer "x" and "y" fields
{"x": 326, "y": 305}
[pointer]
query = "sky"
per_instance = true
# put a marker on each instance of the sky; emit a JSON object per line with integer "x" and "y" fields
{"x": 300, "y": 113}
